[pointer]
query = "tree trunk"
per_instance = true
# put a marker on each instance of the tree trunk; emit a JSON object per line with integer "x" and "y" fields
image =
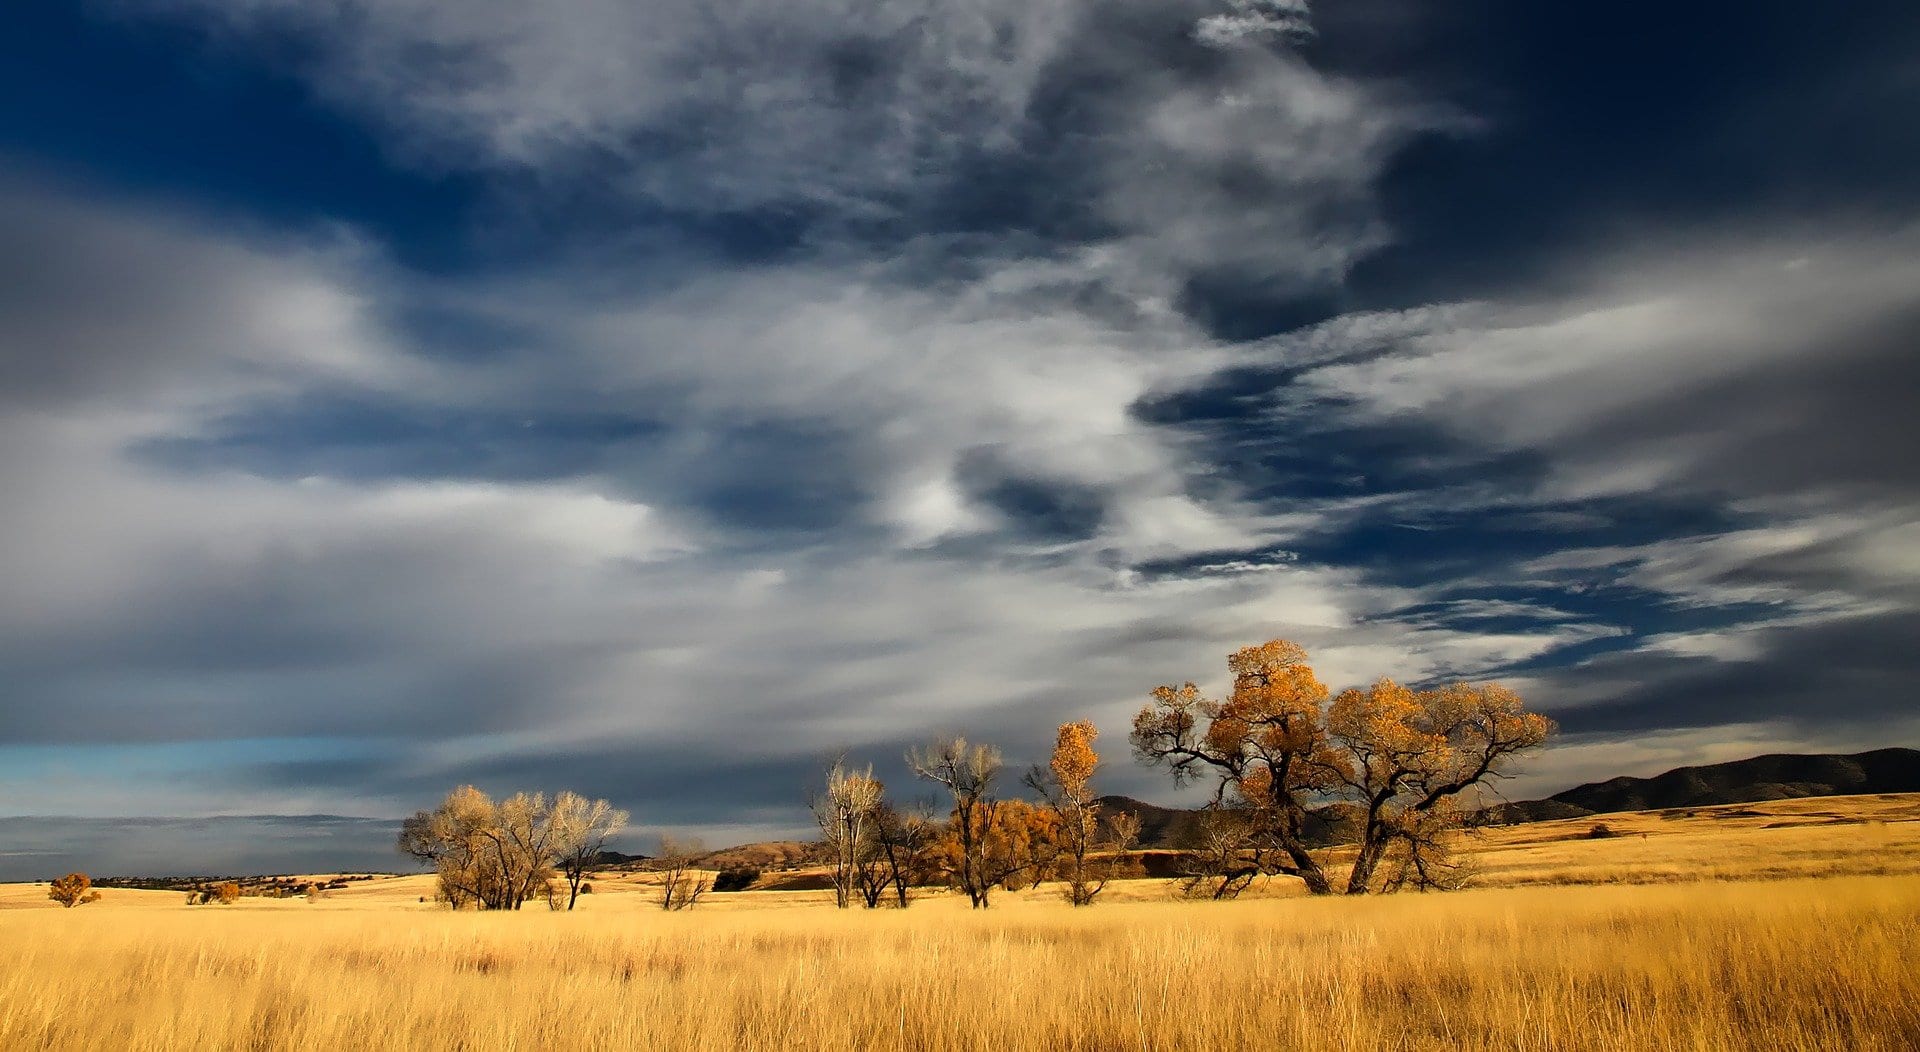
{"x": 1372, "y": 848}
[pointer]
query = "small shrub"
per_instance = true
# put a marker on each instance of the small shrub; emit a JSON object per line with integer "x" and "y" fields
{"x": 74, "y": 889}
{"x": 586, "y": 888}
{"x": 1601, "y": 831}
{"x": 226, "y": 893}
{"x": 738, "y": 879}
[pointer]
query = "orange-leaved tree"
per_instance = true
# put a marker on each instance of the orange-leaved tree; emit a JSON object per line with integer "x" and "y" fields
{"x": 1277, "y": 751}
{"x": 1091, "y": 847}
{"x": 74, "y": 889}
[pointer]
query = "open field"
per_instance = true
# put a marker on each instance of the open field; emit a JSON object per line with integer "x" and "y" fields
{"x": 1804, "y": 959}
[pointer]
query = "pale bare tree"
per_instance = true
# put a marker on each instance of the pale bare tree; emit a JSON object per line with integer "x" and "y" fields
{"x": 844, "y": 811}
{"x": 582, "y": 828}
{"x": 456, "y": 839}
{"x": 497, "y": 855}
{"x": 526, "y": 837}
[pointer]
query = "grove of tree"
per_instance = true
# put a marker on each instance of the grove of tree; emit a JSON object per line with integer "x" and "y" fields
{"x": 496, "y": 856}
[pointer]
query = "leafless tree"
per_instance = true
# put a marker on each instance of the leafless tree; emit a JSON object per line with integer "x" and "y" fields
{"x": 582, "y": 828}
{"x": 902, "y": 837}
{"x": 967, "y": 772}
{"x": 497, "y": 855}
{"x": 844, "y": 811}
{"x": 681, "y": 885}
{"x": 1225, "y": 855}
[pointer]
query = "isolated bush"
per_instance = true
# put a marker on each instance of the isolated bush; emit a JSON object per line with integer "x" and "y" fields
{"x": 586, "y": 887}
{"x": 74, "y": 889}
{"x": 1601, "y": 831}
{"x": 226, "y": 893}
{"x": 739, "y": 878}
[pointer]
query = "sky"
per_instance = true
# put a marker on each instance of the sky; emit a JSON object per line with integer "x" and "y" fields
{"x": 653, "y": 398}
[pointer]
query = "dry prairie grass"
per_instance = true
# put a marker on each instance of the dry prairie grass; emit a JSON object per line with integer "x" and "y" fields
{"x": 1814, "y": 962}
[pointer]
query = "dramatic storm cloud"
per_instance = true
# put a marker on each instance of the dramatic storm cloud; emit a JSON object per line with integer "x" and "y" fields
{"x": 653, "y": 398}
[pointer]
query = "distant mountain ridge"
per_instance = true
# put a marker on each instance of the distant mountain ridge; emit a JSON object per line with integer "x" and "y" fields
{"x": 1775, "y": 776}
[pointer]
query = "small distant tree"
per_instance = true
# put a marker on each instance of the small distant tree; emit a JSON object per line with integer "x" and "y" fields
{"x": 1224, "y": 856}
{"x": 226, "y": 893}
{"x": 582, "y": 828}
{"x": 681, "y": 885}
{"x": 74, "y": 889}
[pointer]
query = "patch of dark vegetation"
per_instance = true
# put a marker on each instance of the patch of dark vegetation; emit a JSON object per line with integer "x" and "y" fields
{"x": 738, "y": 879}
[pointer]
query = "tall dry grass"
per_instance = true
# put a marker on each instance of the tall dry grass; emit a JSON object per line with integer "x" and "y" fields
{"x": 1805, "y": 964}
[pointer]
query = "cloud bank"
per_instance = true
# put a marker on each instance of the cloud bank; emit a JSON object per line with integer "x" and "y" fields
{"x": 823, "y": 376}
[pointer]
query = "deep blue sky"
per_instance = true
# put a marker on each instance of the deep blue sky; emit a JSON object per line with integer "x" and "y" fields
{"x": 652, "y": 399}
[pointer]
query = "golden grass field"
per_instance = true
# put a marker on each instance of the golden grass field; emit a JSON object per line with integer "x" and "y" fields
{"x": 1622, "y": 943}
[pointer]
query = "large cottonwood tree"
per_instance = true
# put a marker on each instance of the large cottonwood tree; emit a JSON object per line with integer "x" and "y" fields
{"x": 1276, "y": 750}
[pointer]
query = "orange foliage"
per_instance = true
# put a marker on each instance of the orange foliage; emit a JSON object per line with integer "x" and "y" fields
{"x": 1276, "y": 747}
{"x": 74, "y": 889}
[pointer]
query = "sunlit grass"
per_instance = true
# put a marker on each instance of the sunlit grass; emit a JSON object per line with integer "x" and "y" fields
{"x": 1804, "y": 963}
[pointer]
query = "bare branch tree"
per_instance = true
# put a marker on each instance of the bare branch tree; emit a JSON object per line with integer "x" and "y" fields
{"x": 902, "y": 836}
{"x": 968, "y": 773}
{"x": 582, "y": 828}
{"x": 681, "y": 885}
{"x": 844, "y": 812}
